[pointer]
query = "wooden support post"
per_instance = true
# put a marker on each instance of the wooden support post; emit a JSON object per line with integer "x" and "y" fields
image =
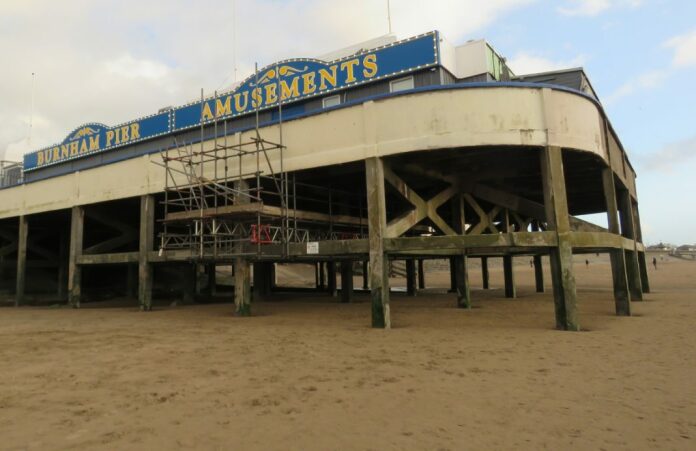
{"x": 561, "y": 257}
{"x": 628, "y": 230}
{"x": 77, "y": 225}
{"x": 377, "y": 222}
{"x": 62, "y": 276}
{"x": 147, "y": 238}
{"x": 622, "y": 297}
{"x": 644, "y": 281}
{"x": 453, "y": 272}
{"x": 259, "y": 281}
{"x": 331, "y": 273}
{"x": 484, "y": 273}
{"x": 322, "y": 278}
{"x": 509, "y": 276}
{"x": 316, "y": 275}
{"x": 21, "y": 260}
{"x": 242, "y": 287}
{"x": 212, "y": 279}
{"x": 462, "y": 282}
{"x": 421, "y": 275}
{"x": 538, "y": 274}
{"x": 132, "y": 281}
{"x": 346, "y": 281}
{"x": 411, "y": 277}
{"x": 366, "y": 285}
{"x": 189, "y": 283}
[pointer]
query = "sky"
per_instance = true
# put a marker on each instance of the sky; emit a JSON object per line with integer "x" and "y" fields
{"x": 111, "y": 61}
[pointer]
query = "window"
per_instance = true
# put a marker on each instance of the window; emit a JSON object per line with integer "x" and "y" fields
{"x": 402, "y": 84}
{"x": 331, "y": 101}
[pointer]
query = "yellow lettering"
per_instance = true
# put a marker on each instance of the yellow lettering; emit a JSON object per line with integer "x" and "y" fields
{"x": 308, "y": 82}
{"x": 271, "y": 93}
{"x": 124, "y": 134}
{"x": 73, "y": 148}
{"x": 83, "y": 146}
{"x": 207, "y": 114}
{"x": 39, "y": 158}
{"x": 293, "y": 90}
{"x": 325, "y": 75}
{"x": 64, "y": 151}
{"x": 48, "y": 155}
{"x": 222, "y": 109}
{"x": 238, "y": 104}
{"x": 70, "y": 149}
{"x": 109, "y": 137}
{"x": 370, "y": 64}
{"x": 256, "y": 99}
{"x": 349, "y": 67}
{"x": 56, "y": 154}
{"x": 94, "y": 142}
{"x": 134, "y": 132}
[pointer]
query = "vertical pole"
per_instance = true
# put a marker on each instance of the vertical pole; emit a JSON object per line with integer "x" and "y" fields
{"x": 322, "y": 282}
{"x": 242, "y": 287}
{"x": 462, "y": 282}
{"x": 147, "y": 237}
{"x": 509, "y": 275}
{"x": 259, "y": 280}
{"x": 421, "y": 275}
{"x": 316, "y": 275}
{"x": 21, "y": 260}
{"x": 346, "y": 281}
{"x": 132, "y": 281}
{"x": 212, "y": 279}
{"x": 538, "y": 274}
{"x": 364, "y": 275}
{"x": 644, "y": 281}
{"x": 77, "y": 224}
{"x": 561, "y": 257}
{"x": 63, "y": 252}
{"x": 622, "y": 297}
{"x": 411, "y": 277}
{"x": 538, "y": 268}
{"x": 189, "y": 282}
{"x": 241, "y": 265}
{"x": 453, "y": 280}
{"x": 332, "y": 289}
{"x": 377, "y": 220}
{"x": 484, "y": 272}
{"x": 629, "y": 231}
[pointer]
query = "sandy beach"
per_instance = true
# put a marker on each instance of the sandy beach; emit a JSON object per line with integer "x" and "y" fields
{"x": 307, "y": 372}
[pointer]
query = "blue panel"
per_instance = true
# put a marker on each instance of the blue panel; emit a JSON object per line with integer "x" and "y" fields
{"x": 286, "y": 81}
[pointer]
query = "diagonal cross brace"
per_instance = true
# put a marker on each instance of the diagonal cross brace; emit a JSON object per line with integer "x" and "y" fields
{"x": 422, "y": 208}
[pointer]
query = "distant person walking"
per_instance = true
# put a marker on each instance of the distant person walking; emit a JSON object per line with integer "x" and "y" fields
{"x": 587, "y": 263}
{"x": 655, "y": 262}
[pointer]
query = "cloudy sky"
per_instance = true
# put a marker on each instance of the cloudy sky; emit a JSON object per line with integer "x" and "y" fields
{"x": 111, "y": 61}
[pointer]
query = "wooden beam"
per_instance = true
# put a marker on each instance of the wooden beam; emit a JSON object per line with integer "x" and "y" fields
{"x": 622, "y": 296}
{"x": 21, "y": 260}
{"x": 484, "y": 273}
{"x": 561, "y": 257}
{"x": 331, "y": 275}
{"x": 461, "y": 277}
{"x": 629, "y": 232}
{"x": 377, "y": 220}
{"x": 346, "y": 281}
{"x": 77, "y": 224}
{"x": 242, "y": 265}
{"x": 509, "y": 277}
{"x": 421, "y": 274}
{"x": 146, "y": 245}
{"x": 411, "y": 277}
{"x": 115, "y": 258}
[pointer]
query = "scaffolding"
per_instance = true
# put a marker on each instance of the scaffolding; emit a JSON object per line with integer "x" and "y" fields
{"x": 229, "y": 195}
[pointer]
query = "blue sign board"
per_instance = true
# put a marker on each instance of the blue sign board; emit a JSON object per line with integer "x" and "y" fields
{"x": 279, "y": 84}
